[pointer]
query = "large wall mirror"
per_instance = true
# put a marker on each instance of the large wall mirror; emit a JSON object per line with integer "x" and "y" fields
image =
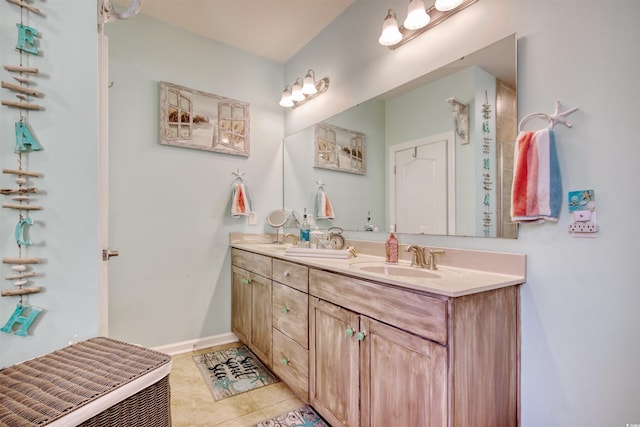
{"x": 429, "y": 168}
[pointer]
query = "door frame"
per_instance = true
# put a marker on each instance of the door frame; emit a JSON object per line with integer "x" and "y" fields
{"x": 103, "y": 183}
{"x": 450, "y": 139}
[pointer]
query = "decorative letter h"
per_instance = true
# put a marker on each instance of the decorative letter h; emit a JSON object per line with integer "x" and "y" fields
{"x": 18, "y": 318}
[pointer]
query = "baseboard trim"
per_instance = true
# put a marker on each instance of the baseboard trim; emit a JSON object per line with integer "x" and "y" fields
{"x": 193, "y": 345}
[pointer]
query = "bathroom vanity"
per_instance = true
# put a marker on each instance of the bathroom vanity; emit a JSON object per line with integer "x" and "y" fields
{"x": 369, "y": 347}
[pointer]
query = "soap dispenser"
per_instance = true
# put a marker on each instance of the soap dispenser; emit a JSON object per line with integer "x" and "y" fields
{"x": 391, "y": 247}
{"x": 368, "y": 226}
{"x": 305, "y": 231}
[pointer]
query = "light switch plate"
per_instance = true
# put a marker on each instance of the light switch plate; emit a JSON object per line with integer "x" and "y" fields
{"x": 582, "y": 206}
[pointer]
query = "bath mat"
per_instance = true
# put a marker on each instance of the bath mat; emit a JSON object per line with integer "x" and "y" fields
{"x": 233, "y": 371}
{"x": 302, "y": 417}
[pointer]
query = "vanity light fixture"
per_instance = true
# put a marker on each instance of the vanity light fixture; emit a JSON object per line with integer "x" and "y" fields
{"x": 286, "y": 100}
{"x": 391, "y": 35}
{"x": 445, "y": 5}
{"x": 309, "y": 83}
{"x": 417, "y": 16}
{"x": 419, "y": 19}
{"x": 303, "y": 90}
{"x": 296, "y": 91}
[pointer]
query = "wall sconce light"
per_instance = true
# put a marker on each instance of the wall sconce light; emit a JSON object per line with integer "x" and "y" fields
{"x": 460, "y": 112}
{"x": 107, "y": 13}
{"x": 419, "y": 19}
{"x": 303, "y": 90}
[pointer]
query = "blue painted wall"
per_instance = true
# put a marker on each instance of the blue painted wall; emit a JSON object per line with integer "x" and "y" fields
{"x": 65, "y": 232}
{"x": 169, "y": 206}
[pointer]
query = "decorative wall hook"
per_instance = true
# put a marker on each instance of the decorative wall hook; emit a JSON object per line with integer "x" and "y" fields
{"x": 460, "y": 112}
{"x": 239, "y": 175}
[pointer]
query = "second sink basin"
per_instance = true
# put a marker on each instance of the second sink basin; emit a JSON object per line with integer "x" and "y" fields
{"x": 395, "y": 270}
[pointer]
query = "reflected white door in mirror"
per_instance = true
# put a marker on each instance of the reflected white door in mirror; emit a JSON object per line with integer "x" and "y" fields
{"x": 422, "y": 185}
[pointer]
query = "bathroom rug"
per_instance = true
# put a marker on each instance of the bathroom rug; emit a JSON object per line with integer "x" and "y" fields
{"x": 302, "y": 417}
{"x": 233, "y": 371}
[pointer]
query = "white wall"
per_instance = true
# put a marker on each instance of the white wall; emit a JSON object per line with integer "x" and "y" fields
{"x": 65, "y": 233}
{"x": 580, "y": 338}
{"x": 169, "y": 206}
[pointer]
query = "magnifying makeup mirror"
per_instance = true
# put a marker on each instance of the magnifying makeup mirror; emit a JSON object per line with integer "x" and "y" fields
{"x": 277, "y": 218}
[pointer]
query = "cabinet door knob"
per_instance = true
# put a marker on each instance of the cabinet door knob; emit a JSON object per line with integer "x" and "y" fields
{"x": 285, "y": 310}
{"x": 285, "y": 361}
{"x": 360, "y": 336}
{"x": 246, "y": 281}
{"x": 349, "y": 332}
{"x": 287, "y": 274}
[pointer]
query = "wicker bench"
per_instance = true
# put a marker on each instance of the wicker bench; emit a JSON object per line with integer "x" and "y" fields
{"x": 98, "y": 382}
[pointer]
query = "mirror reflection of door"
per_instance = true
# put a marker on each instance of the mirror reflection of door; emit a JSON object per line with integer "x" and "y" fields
{"x": 422, "y": 185}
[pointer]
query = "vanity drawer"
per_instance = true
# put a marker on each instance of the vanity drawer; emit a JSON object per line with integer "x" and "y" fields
{"x": 294, "y": 275}
{"x": 291, "y": 313}
{"x": 413, "y": 312}
{"x": 291, "y": 364}
{"x": 256, "y": 263}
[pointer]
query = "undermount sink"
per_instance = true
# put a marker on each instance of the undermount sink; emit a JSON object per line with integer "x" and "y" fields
{"x": 395, "y": 270}
{"x": 274, "y": 245}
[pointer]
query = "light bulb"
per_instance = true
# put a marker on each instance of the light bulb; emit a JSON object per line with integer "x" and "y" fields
{"x": 390, "y": 32}
{"x": 296, "y": 91}
{"x": 286, "y": 100}
{"x": 309, "y": 84}
{"x": 417, "y": 16}
{"x": 446, "y": 5}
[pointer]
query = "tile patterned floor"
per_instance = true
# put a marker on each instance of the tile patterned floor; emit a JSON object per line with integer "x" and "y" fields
{"x": 193, "y": 406}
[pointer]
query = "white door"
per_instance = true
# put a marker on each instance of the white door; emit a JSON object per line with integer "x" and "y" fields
{"x": 422, "y": 185}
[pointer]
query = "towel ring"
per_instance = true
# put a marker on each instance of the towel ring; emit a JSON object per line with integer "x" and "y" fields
{"x": 555, "y": 118}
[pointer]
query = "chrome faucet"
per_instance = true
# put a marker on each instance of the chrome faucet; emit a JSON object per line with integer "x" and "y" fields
{"x": 432, "y": 258}
{"x": 422, "y": 259}
{"x": 418, "y": 258}
{"x": 293, "y": 236}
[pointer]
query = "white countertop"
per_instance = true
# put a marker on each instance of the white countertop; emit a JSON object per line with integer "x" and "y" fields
{"x": 451, "y": 280}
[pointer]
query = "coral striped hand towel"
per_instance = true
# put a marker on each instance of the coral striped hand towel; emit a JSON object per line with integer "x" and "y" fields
{"x": 536, "y": 193}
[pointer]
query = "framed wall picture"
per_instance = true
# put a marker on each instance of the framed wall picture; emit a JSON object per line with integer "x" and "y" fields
{"x": 194, "y": 119}
{"x": 339, "y": 149}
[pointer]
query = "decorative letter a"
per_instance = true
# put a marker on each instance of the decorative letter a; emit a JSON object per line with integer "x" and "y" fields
{"x": 25, "y": 140}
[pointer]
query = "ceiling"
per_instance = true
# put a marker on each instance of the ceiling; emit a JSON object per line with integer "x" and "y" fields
{"x": 273, "y": 29}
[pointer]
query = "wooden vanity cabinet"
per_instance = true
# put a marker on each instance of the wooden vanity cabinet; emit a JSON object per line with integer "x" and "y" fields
{"x": 369, "y": 354}
{"x": 291, "y": 325}
{"x": 368, "y": 373}
{"x": 381, "y": 355}
{"x": 251, "y": 304}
